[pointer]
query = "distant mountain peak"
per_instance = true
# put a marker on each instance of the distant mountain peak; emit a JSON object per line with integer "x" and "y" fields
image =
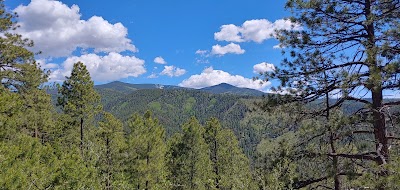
{"x": 226, "y": 85}
{"x": 222, "y": 88}
{"x": 225, "y": 88}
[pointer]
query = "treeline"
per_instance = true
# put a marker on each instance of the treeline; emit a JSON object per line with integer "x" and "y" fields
{"x": 44, "y": 149}
{"x": 302, "y": 145}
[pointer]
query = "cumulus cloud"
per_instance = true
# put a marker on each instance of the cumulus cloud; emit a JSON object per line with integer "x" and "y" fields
{"x": 113, "y": 66}
{"x": 256, "y": 30}
{"x": 230, "y": 33}
{"x": 230, "y": 48}
{"x": 173, "y": 71}
{"x": 159, "y": 60}
{"x": 58, "y": 30}
{"x": 211, "y": 77}
{"x": 263, "y": 68}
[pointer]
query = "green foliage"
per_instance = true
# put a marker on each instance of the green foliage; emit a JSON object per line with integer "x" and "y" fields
{"x": 349, "y": 49}
{"x": 275, "y": 167}
{"x": 79, "y": 102}
{"x": 173, "y": 106}
{"x": 10, "y": 110}
{"x": 112, "y": 146}
{"x": 188, "y": 161}
{"x": 77, "y": 95}
{"x": 26, "y": 163}
{"x": 145, "y": 163}
{"x": 230, "y": 166}
{"x": 21, "y": 75}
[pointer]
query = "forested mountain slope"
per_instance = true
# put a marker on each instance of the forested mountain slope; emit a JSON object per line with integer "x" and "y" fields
{"x": 173, "y": 106}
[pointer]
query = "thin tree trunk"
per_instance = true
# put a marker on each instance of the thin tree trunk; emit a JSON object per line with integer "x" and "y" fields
{"x": 332, "y": 142}
{"x": 147, "y": 164}
{"x": 109, "y": 162}
{"x": 81, "y": 145}
{"x": 215, "y": 160}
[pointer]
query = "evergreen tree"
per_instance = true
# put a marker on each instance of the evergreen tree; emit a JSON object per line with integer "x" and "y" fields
{"x": 347, "y": 48}
{"x": 26, "y": 163}
{"x": 112, "y": 145}
{"x": 146, "y": 153}
{"x": 79, "y": 101}
{"x": 231, "y": 167}
{"x": 21, "y": 75}
{"x": 188, "y": 159}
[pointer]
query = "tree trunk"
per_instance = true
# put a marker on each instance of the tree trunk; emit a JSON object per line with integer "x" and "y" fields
{"x": 376, "y": 90}
{"x": 215, "y": 160}
{"x": 147, "y": 164}
{"x": 109, "y": 162}
{"x": 375, "y": 85}
{"x": 381, "y": 143}
{"x": 335, "y": 161}
{"x": 81, "y": 145}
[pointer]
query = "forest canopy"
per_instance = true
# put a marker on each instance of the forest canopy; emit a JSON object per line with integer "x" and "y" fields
{"x": 322, "y": 133}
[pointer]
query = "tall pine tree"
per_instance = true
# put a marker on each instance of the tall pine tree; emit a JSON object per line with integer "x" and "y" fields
{"x": 79, "y": 101}
{"x": 146, "y": 153}
{"x": 350, "y": 49}
{"x": 231, "y": 168}
{"x": 112, "y": 145}
{"x": 188, "y": 159}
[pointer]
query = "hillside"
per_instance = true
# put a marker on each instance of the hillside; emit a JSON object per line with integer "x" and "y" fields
{"x": 175, "y": 105}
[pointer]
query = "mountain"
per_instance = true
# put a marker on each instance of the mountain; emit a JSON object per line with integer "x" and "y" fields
{"x": 225, "y": 88}
{"x": 129, "y": 88}
{"x": 173, "y": 106}
{"x": 222, "y": 88}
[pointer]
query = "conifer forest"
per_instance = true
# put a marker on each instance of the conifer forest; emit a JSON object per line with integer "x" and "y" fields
{"x": 304, "y": 135}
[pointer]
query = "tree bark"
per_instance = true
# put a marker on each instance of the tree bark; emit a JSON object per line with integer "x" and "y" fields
{"x": 81, "y": 144}
{"x": 109, "y": 162}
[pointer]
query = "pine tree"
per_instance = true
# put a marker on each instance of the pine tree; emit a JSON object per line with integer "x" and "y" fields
{"x": 231, "y": 168}
{"x": 146, "y": 153}
{"x": 21, "y": 75}
{"x": 79, "y": 101}
{"x": 350, "y": 49}
{"x": 112, "y": 145}
{"x": 189, "y": 164}
{"x": 27, "y": 163}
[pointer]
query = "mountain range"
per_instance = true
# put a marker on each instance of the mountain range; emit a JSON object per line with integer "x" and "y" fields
{"x": 222, "y": 88}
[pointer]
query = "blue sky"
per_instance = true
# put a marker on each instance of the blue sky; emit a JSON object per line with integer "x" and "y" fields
{"x": 120, "y": 40}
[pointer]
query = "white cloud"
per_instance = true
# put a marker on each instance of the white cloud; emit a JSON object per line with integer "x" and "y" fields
{"x": 211, "y": 77}
{"x": 253, "y": 30}
{"x": 58, "y": 30}
{"x": 201, "y": 52}
{"x": 263, "y": 67}
{"x": 159, "y": 60}
{"x": 44, "y": 65}
{"x": 278, "y": 46}
{"x": 230, "y": 48}
{"x": 152, "y": 76}
{"x": 283, "y": 91}
{"x": 230, "y": 33}
{"x": 113, "y": 66}
{"x": 173, "y": 71}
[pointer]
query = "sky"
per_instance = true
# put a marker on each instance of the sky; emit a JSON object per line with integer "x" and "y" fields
{"x": 192, "y": 44}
